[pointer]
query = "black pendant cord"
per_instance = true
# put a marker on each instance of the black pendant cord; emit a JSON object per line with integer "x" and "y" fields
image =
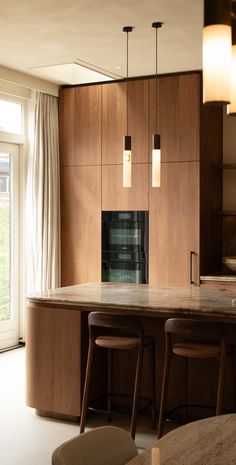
{"x": 127, "y": 29}
{"x": 156, "y": 25}
{"x": 156, "y": 80}
{"x": 127, "y": 87}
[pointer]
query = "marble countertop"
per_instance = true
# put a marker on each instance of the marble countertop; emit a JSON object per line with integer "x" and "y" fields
{"x": 205, "y": 442}
{"x": 145, "y": 299}
{"x": 230, "y": 278}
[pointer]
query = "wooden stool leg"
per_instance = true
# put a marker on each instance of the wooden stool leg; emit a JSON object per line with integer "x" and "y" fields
{"x": 109, "y": 386}
{"x": 164, "y": 393}
{"x": 86, "y": 386}
{"x": 136, "y": 390}
{"x": 186, "y": 391}
{"x": 234, "y": 363}
{"x": 153, "y": 360}
{"x": 221, "y": 379}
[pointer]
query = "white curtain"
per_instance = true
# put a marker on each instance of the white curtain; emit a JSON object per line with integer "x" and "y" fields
{"x": 43, "y": 198}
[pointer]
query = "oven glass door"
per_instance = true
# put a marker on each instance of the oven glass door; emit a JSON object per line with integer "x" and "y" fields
{"x": 131, "y": 272}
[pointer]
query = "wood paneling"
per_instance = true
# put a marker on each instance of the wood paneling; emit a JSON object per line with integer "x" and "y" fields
{"x": 87, "y": 125}
{"x": 211, "y": 189}
{"x": 114, "y": 121}
{"x": 81, "y": 224}
{"x": 174, "y": 225}
{"x": 138, "y": 119}
{"x": 53, "y": 360}
{"x": 115, "y": 197}
{"x": 178, "y": 100}
{"x": 66, "y": 126}
{"x": 190, "y": 132}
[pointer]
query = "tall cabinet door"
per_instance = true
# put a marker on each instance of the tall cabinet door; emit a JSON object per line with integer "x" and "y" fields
{"x": 174, "y": 226}
{"x": 81, "y": 224}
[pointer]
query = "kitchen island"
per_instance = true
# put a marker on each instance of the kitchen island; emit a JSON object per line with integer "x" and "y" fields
{"x": 57, "y": 334}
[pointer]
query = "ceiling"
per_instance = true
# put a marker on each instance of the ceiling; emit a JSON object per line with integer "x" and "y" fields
{"x": 37, "y": 34}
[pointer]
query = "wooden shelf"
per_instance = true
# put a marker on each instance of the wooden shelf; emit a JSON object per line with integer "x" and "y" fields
{"x": 226, "y": 166}
{"x": 225, "y": 213}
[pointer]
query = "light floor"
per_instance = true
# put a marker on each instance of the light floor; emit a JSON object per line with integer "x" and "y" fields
{"x": 27, "y": 439}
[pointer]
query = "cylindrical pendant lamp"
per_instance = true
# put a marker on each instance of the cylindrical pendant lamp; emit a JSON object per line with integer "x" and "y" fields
{"x": 216, "y": 51}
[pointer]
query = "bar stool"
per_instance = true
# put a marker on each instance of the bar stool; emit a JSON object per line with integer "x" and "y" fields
{"x": 199, "y": 339}
{"x": 118, "y": 332}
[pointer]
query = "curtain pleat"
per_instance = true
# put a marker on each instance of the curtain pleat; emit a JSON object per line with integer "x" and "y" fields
{"x": 43, "y": 199}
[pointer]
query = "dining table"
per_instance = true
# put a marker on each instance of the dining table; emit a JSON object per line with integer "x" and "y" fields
{"x": 211, "y": 441}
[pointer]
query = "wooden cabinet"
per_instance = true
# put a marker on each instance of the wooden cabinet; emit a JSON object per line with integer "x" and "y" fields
{"x": 114, "y": 125}
{"x": 178, "y": 116}
{"x": 181, "y": 212}
{"x": 87, "y": 124}
{"x": 113, "y": 122}
{"x": 115, "y": 197}
{"x": 53, "y": 382}
{"x": 174, "y": 226}
{"x": 81, "y": 224}
{"x": 66, "y": 127}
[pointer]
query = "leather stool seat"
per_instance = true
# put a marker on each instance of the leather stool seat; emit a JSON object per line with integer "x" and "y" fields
{"x": 196, "y": 349}
{"x": 121, "y": 342}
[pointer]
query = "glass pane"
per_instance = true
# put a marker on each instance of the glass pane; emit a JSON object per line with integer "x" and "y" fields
{"x": 125, "y": 236}
{"x": 5, "y": 253}
{"x": 11, "y": 117}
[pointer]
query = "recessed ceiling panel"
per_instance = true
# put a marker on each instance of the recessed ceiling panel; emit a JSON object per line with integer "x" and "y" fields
{"x": 69, "y": 73}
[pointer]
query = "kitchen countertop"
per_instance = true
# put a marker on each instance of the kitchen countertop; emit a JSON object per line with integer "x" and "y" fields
{"x": 230, "y": 278}
{"x": 142, "y": 299}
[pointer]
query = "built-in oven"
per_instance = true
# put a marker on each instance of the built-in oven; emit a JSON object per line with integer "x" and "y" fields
{"x": 125, "y": 246}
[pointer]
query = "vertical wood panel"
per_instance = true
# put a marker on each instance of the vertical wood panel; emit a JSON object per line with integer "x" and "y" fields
{"x": 66, "y": 126}
{"x": 138, "y": 119}
{"x": 211, "y": 188}
{"x": 114, "y": 121}
{"x": 87, "y": 125}
{"x": 81, "y": 224}
{"x": 53, "y": 360}
{"x": 178, "y": 116}
{"x": 115, "y": 197}
{"x": 174, "y": 225}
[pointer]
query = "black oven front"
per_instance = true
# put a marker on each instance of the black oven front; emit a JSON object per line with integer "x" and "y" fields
{"x": 125, "y": 246}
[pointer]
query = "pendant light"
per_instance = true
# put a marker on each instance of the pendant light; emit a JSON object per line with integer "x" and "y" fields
{"x": 231, "y": 108}
{"x": 156, "y": 139}
{"x": 216, "y": 51}
{"x": 127, "y": 156}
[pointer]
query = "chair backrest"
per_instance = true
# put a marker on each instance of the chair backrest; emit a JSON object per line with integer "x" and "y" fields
{"x": 196, "y": 329}
{"x": 106, "y": 323}
{"x": 107, "y": 445}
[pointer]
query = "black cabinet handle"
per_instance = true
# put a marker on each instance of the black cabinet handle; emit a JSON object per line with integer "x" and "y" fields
{"x": 191, "y": 267}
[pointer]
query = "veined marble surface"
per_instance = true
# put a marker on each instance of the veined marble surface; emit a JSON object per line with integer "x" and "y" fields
{"x": 149, "y": 300}
{"x": 205, "y": 442}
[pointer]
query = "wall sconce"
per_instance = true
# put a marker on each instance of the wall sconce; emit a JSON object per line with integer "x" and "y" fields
{"x": 156, "y": 138}
{"x": 216, "y": 51}
{"x": 127, "y": 154}
{"x": 231, "y": 108}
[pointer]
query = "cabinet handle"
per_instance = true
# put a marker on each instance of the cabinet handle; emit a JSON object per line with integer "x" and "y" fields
{"x": 191, "y": 267}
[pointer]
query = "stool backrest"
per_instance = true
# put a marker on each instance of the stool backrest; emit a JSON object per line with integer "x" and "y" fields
{"x": 196, "y": 329}
{"x": 107, "y": 445}
{"x": 106, "y": 323}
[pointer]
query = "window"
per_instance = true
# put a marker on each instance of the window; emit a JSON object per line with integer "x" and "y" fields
{"x": 11, "y": 117}
{"x": 11, "y": 228}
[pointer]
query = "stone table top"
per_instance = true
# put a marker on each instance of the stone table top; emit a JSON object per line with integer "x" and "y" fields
{"x": 205, "y": 442}
{"x": 142, "y": 299}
